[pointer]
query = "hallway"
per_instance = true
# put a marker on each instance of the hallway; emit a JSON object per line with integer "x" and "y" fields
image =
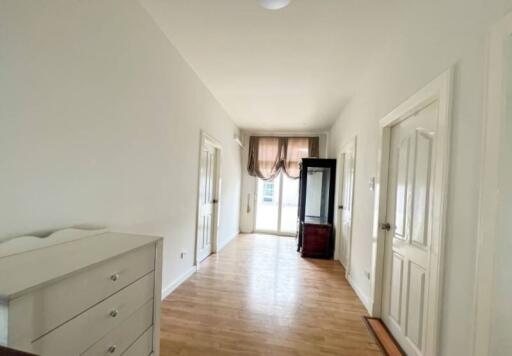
{"x": 259, "y": 297}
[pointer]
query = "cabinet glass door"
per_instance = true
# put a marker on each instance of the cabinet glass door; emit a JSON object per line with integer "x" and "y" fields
{"x": 317, "y": 194}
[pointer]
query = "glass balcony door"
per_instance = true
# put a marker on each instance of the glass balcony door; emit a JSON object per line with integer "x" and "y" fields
{"x": 277, "y": 205}
{"x": 289, "y": 205}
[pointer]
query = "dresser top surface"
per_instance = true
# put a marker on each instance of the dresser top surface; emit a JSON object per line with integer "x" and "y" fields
{"x": 22, "y": 272}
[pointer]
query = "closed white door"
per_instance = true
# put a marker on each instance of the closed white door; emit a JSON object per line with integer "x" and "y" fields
{"x": 408, "y": 241}
{"x": 345, "y": 204}
{"x": 207, "y": 201}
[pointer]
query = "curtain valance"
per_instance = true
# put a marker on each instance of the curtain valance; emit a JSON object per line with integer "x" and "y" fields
{"x": 268, "y": 156}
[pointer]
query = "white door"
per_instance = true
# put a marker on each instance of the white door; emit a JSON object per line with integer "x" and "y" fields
{"x": 207, "y": 201}
{"x": 277, "y": 206}
{"x": 408, "y": 240}
{"x": 345, "y": 204}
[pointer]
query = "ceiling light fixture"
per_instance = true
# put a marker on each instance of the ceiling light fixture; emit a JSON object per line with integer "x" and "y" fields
{"x": 274, "y": 4}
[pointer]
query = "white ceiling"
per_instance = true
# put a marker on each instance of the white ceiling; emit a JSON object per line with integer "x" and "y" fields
{"x": 291, "y": 69}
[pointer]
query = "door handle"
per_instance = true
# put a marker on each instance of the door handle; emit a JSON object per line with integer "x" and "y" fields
{"x": 215, "y": 201}
{"x": 385, "y": 226}
{"x": 340, "y": 207}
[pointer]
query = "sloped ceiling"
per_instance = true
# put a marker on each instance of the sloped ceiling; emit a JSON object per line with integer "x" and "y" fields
{"x": 291, "y": 69}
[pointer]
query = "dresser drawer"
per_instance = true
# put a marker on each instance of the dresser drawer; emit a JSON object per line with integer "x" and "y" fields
{"x": 75, "y": 336}
{"x": 143, "y": 346}
{"x": 122, "y": 337}
{"x": 46, "y": 308}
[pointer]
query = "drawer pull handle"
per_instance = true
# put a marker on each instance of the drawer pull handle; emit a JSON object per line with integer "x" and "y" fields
{"x": 112, "y": 349}
{"x": 114, "y": 313}
{"x": 114, "y": 277}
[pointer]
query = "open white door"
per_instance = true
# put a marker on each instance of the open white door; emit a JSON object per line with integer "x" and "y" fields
{"x": 345, "y": 202}
{"x": 408, "y": 241}
{"x": 410, "y": 217}
{"x": 208, "y": 200}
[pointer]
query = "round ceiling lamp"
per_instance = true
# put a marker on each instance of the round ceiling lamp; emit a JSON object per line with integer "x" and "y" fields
{"x": 274, "y": 4}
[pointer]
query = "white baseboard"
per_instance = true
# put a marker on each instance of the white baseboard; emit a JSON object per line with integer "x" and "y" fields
{"x": 224, "y": 243}
{"x": 171, "y": 287}
{"x": 362, "y": 296}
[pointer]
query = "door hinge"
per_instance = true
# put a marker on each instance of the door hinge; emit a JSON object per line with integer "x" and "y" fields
{"x": 385, "y": 226}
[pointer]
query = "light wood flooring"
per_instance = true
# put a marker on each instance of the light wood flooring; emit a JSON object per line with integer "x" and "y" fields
{"x": 259, "y": 297}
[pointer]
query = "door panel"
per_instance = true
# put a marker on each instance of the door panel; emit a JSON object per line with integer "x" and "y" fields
{"x": 421, "y": 190}
{"x": 415, "y": 304}
{"x": 407, "y": 243}
{"x": 395, "y": 301}
{"x": 401, "y": 188}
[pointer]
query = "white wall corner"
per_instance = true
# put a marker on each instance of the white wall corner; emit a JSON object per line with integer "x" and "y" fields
{"x": 223, "y": 244}
{"x": 365, "y": 299}
{"x": 178, "y": 281}
{"x": 187, "y": 274}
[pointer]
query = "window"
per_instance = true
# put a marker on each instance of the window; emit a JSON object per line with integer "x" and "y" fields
{"x": 268, "y": 192}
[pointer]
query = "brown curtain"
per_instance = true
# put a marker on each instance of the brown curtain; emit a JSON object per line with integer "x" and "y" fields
{"x": 296, "y": 149}
{"x": 268, "y": 155}
{"x": 265, "y": 157}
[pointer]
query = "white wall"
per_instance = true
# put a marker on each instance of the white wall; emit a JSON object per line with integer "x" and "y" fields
{"x": 248, "y": 190}
{"x": 100, "y": 121}
{"x": 428, "y": 37}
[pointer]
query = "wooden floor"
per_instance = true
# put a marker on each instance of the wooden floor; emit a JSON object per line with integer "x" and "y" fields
{"x": 258, "y": 297}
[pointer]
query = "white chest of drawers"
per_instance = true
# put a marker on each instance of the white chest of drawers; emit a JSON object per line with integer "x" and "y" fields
{"x": 94, "y": 295}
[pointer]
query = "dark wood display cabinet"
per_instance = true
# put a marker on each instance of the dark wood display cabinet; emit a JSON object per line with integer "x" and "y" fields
{"x": 316, "y": 208}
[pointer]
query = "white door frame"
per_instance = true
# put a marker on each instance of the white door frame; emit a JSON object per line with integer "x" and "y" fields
{"x": 439, "y": 90}
{"x": 489, "y": 212}
{"x": 350, "y": 145}
{"x": 207, "y": 139}
{"x": 339, "y": 199}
